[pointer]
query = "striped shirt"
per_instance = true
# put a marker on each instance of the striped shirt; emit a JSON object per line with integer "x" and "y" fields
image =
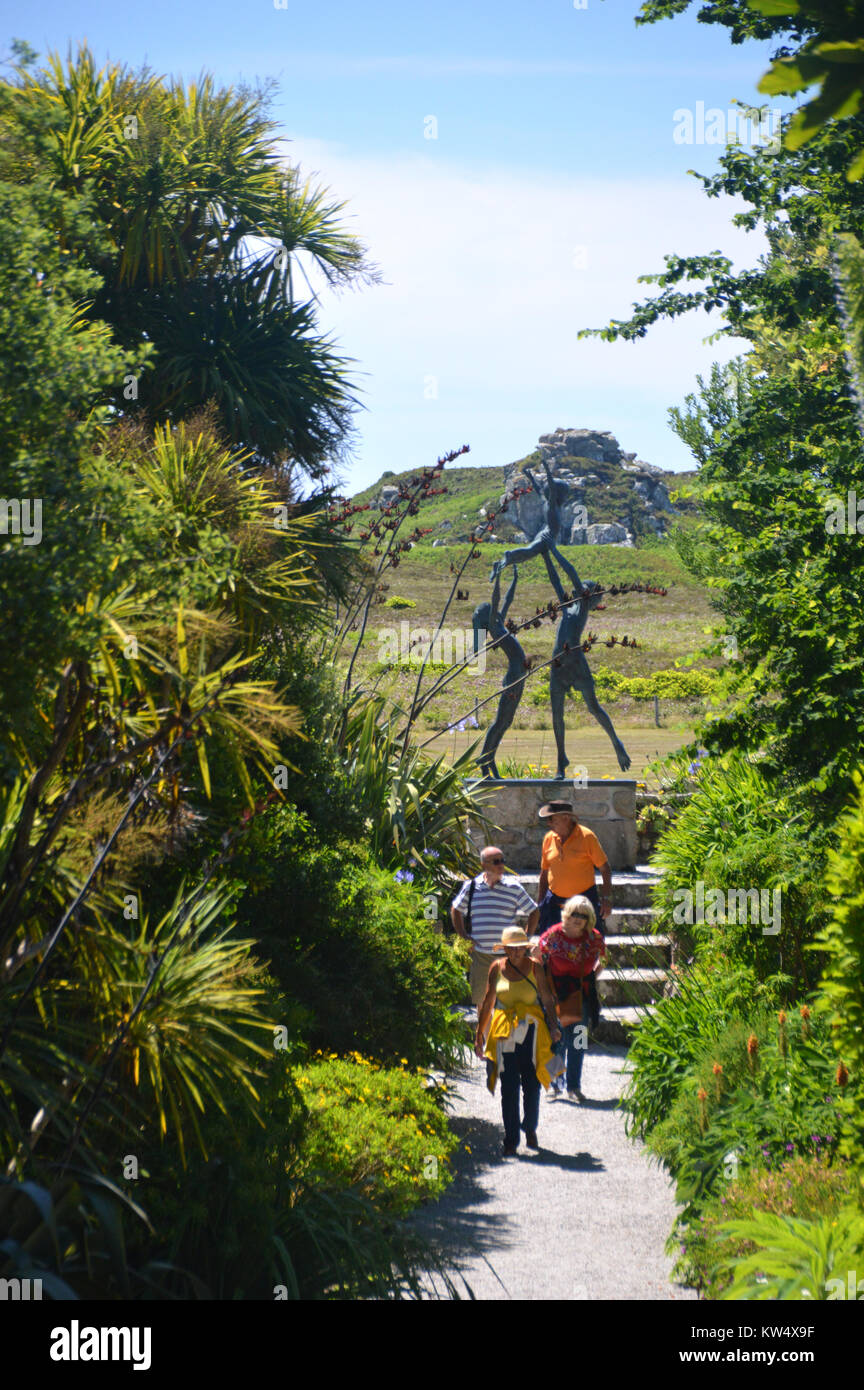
{"x": 492, "y": 909}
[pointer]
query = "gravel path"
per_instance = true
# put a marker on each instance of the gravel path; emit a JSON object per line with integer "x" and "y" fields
{"x": 589, "y": 1192}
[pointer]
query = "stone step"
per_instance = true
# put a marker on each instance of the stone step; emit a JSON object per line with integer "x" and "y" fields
{"x": 637, "y": 921}
{"x": 648, "y": 951}
{"x": 630, "y": 985}
{"x": 617, "y": 1023}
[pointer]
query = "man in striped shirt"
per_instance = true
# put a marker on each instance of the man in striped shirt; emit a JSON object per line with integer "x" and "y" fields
{"x": 494, "y": 902}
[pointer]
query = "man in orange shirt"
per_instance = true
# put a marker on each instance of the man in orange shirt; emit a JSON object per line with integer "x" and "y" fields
{"x": 571, "y": 854}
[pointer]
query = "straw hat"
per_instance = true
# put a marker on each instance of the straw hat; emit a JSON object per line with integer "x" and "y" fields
{"x": 512, "y": 936}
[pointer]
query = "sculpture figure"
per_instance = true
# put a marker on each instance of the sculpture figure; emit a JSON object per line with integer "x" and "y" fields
{"x": 487, "y": 617}
{"x": 555, "y": 493}
{"x": 570, "y": 669}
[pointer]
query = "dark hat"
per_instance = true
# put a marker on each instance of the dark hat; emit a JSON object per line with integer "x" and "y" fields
{"x": 556, "y": 808}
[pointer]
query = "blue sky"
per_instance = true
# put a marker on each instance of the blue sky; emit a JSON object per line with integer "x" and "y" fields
{"x": 553, "y": 180}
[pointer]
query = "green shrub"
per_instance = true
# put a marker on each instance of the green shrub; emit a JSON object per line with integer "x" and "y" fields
{"x": 843, "y": 979}
{"x": 795, "y": 1259}
{"x": 220, "y": 1216}
{"x": 377, "y": 1130}
{"x": 668, "y": 1041}
{"x": 349, "y": 944}
{"x": 396, "y": 601}
{"x": 740, "y": 831}
{"x": 808, "y": 1187}
{"x": 409, "y": 663}
{"x": 666, "y": 685}
{"x": 413, "y": 805}
{"x": 255, "y": 1222}
{"x": 773, "y": 1097}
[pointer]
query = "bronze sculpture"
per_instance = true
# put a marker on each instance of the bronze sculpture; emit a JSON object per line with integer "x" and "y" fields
{"x": 487, "y": 618}
{"x": 569, "y": 669}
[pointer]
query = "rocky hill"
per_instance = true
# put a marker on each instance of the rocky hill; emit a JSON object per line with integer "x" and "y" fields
{"x": 606, "y": 496}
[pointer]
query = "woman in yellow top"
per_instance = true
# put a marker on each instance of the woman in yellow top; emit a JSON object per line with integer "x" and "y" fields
{"x": 519, "y": 1045}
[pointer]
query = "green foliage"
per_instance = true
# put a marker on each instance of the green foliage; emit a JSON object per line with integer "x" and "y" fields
{"x": 804, "y": 1187}
{"x": 779, "y": 1099}
{"x": 515, "y": 767}
{"x": 200, "y": 1035}
{"x": 742, "y": 831}
{"x": 797, "y": 1259}
{"x": 394, "y": 601}
{"x": 162, "y": 383}
{"x": 833, "y": 57}
{"x": 413, "y": 803}
{"x": 253, "y": 1221}
{"x": 409, "y": 664}
{"x": 172, "y": 202}
{"x": 71, "y": 1235}
{"x": 668, "y": 1042}
{"x": 667, "y": 685}
{"x": 349, "y": 945}
{"x": 842, "y": 940}
{"x": 776, "y": 437}
{"x": 378, "y": 1130}
{"x": 165, "y": 1046}
{"x": 55, "y": 369}
{"x": 743, "y": 19}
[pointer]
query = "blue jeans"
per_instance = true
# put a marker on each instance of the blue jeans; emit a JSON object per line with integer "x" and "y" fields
{"x": 572, "y": 1046}
{"x": 518, "y": 1069}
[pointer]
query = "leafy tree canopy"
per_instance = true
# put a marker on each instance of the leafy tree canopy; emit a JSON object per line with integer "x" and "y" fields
{"x": 199, "y": 231}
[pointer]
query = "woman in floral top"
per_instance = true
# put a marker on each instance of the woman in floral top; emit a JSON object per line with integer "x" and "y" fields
{"x": 571, "y": 952}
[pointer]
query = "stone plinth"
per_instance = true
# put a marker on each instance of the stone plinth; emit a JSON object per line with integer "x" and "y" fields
{"x": 606, "y": 807}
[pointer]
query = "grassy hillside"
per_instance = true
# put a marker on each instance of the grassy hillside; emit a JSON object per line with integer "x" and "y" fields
{"x": 609, "y": 499}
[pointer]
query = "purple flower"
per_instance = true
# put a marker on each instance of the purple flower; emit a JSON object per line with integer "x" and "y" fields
{"x": 404, "y": 876}
{"x": 789, "y": 1148}
{"x": 432, "y": 854}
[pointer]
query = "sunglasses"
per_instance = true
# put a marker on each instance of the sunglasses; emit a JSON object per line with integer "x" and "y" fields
{"x": 495, "y": 861}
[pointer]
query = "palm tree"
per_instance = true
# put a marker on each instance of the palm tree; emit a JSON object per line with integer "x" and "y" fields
{"x": 199, "y": 232}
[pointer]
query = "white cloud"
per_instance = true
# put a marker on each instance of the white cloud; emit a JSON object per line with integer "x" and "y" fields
{"x": 489, "y": 275}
